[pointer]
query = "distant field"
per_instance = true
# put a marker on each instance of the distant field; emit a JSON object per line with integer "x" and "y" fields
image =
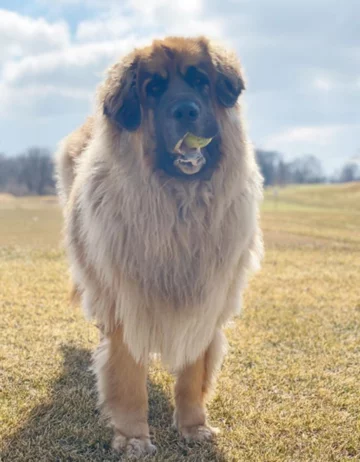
{"x": 289, "y": 389}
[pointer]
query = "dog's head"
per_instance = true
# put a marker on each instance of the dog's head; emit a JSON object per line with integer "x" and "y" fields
{"x": 177, "y": 87}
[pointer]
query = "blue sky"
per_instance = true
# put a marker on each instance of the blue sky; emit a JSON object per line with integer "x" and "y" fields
{"x": 301, "y": 59}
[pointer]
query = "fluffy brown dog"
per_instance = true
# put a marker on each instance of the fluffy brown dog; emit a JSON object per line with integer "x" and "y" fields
{"x": 161, "y": 234}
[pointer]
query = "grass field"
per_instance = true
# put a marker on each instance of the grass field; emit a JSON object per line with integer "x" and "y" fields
{"x": 289, "y": 388}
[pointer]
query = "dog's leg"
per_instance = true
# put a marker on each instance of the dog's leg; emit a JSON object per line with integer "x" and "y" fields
{"x": 122, "y": 390}
{"x": 192, "y": 385}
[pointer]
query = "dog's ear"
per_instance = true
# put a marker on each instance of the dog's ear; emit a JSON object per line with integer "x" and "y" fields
{"x": 229, "y": 81}
{"x": 121, "y": 102}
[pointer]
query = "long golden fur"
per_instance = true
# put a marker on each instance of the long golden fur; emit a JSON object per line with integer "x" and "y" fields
{"x": 160, "y": 263}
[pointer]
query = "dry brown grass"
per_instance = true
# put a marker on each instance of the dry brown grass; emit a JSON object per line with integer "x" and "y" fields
{"x": 288, "y": 391}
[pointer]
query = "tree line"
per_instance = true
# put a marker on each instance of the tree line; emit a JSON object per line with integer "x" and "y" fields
{"x": 305, "y": 169}
{"x": 33, "y": 171}
{"x": 29, "y": 173}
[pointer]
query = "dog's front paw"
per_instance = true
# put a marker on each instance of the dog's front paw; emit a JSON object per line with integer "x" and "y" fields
{"x": 199, "y": 433}
{"x": 134, "y": 448}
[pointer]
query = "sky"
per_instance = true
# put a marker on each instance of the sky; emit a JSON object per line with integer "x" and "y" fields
{"x": 301, "y": 60}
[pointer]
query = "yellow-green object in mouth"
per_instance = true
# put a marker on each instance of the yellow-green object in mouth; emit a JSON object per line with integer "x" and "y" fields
{"x": 190, "y": 141}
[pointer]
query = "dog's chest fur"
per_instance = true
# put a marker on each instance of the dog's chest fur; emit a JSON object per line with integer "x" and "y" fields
{"x": 173, "y": 242}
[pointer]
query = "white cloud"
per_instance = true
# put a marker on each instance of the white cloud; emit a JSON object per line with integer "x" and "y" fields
{"x": 188, "y": 7}
{"x": 76, "y": 65}
{"x": 151, "y": 18}
{"x": 312, "y": 134}
{"x": 72, "y": 72}
{"x": 20, "y": 35}
{"x": 66, "y": 3}
{"x": 145, "y": 7}
{"x": 40, "y": 100}
{"x": 302, "y": 66}
{"x": 98, "y": 42}
{"x": 323, "y": 84}
{"x": 104, "y": 29}
{"x": 342, "y": 84}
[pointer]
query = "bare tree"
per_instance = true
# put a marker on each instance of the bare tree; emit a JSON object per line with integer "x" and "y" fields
{"x": 283, "y": 173}
{"x": 349, "y": 172}
{"x": 3, "y": 171}
{"x": 37, "y": 170}
{"x": 306, "y": 169}
{"x": 29, "y": 173}
{"x": 268, "y": 162}
{"x": 10, "y": 168}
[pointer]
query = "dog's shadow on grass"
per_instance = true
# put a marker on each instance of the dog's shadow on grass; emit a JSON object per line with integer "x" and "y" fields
{"x": 69, "y": 426}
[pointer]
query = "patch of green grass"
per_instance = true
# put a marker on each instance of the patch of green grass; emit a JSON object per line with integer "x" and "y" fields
{"x": 344, "y": 196}
{"x": 289, "y": 388}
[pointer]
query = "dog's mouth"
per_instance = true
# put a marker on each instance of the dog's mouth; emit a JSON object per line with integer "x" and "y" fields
{"x": 189, "y": 154}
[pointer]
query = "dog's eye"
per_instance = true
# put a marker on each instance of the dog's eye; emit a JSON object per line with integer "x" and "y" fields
{"x": 196, "y": 78}
{"x": 156, "y": 87}
{"x": 200, "y": 79}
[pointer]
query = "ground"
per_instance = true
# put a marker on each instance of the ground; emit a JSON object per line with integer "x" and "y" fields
{"x": 288, "y": 390}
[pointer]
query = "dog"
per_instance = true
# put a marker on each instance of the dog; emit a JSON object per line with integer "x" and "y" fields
{"x": 162, "y": 229}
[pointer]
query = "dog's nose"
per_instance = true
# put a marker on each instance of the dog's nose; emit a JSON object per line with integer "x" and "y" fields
{"x": 185, "y": 111}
